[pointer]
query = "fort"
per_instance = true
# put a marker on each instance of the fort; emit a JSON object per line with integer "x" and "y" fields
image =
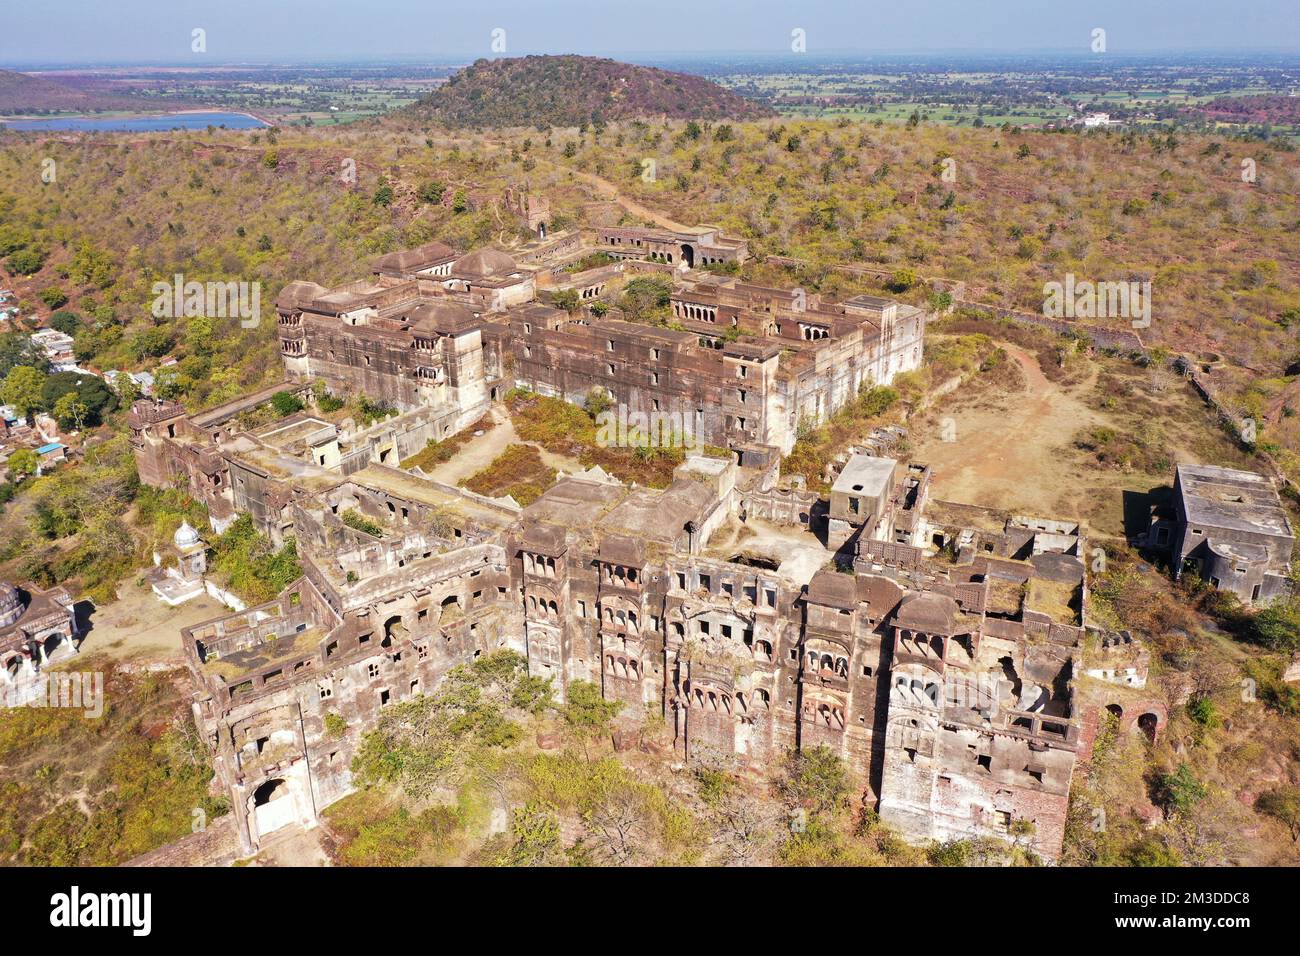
{"x": 933, "y": 646}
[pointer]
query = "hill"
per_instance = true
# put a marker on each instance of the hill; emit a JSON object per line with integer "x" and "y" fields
{"x": 21, "y": 93}
{"x": 570, "y": 90}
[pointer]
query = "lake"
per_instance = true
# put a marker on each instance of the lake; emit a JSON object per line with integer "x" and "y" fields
{"x": 139, "y": 123}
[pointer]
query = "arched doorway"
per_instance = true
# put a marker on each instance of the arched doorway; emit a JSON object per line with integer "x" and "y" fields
{"x": 272, "y": 805}
{"x": 1115, "y": 710}
{"x": 1149, "y": 724}
{"x": 688, "y": 255}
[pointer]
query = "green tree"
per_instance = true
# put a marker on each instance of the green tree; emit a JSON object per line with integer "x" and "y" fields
{"x": 22, "y": 389}
{"x": 22, "y": 462}
{"x": 815, "y": 778}
{"x": 587, "y": 712}
{"x": 431, "y": 192}
{"x": 1282, "y": 804}
{"x": 1181, "y": 790}
{"x": 1277, "y": 626}
{"x": 65, "y": 322}
{"x": 566, "y": 299}
{"x": 53, "y": 297}
{"x": 286, "y": 403}
{"x": 536, "y": 831}
{"x": 25, "y": 262}
{"x": 69, "y": 412}
{"x": 902, "y": 280}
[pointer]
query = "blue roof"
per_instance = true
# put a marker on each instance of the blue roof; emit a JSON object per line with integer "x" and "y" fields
{"x": 52, "y": 446}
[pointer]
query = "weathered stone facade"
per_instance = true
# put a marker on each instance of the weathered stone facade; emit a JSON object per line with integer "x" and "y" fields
{"x": 745, "y": 364}
{"x": 1228, "y": 528}
{"x": 939, "y": 661}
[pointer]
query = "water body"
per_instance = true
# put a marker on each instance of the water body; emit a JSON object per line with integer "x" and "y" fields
{"x": 138, "y": 124}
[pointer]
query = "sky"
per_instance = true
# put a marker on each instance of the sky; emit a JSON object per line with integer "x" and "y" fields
{"x": 302, "y": 31}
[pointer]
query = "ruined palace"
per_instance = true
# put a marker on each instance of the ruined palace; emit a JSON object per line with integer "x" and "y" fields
{"x": 935, "y": 647}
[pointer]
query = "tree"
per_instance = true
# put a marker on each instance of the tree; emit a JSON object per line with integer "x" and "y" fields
{"x": 25, "y": 262}
{"x": 587, "y": 713}
{"x": 65, "y": 322}
{"x": 815, "y": 778}
{"x": 536, "y": 830}
{"x": 128, "y": 389}
{"x": 384, "y": 194}
{"x": 22, "y": 462}
{"x": 566, "y": 299}
{"x": 431, "y": 192}
{"x": 644, "y": 296}
{"x": 69, "y": 412}
{"x": 22, "y": 389}
{"x": 1283, "y": 805}
{"x": 286, "y": 403}
{"x": 902, "y": 280}
{"x": 151, "y": 343}
{"x": 90, "y": 390}
{"x": 1181, "y": 790}
{"x": 1277, "y": 626}
{"x": 53, "y": 297}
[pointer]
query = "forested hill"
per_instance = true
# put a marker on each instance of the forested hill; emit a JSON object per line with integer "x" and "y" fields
{"x": 571, "y": 90}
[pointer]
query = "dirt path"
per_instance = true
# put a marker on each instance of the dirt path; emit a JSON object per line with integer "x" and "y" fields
{"x": 608, "y": 190}
{"x": 478, "y": 453}
{"x": 1014, "y": 452}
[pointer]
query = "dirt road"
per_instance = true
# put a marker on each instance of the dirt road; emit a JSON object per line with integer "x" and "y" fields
{"x": 1013, "y": 452}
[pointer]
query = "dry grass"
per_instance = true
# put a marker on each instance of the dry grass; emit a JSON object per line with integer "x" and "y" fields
{"x": 518, "y": 472}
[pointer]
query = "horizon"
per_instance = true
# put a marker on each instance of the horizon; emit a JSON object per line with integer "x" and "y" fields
{"x": 68, "y": 33}
{"x": 653, "y": 57}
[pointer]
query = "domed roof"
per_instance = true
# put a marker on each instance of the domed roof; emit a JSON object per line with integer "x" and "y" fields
{"x": 929, "y": 612}
{"x": 442, "y": 315}
{"x": 484, "y": 263}
{"x": 185, "y": 536}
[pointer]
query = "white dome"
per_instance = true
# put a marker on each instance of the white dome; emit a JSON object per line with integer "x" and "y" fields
{"x": 185, "y": 536}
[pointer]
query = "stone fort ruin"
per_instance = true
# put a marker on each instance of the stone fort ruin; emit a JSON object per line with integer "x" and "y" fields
{"x": 934, "y": 647}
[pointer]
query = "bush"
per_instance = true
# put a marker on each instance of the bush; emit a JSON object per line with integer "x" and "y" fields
{"x": 65, "y": 322}
{"x": 902, "y": 280}
{"x": 431, "y": 192}
{"x": 286, "y": 403}
{"x": 25, "y": 262}
{"x": 53, "y": 297}
{"x": 1277, "y": 626}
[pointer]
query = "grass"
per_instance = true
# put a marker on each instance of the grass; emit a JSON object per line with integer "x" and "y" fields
{"x": 566, "y": 429}
{"x": 518, "y": 472}
{"x": 438, "y": 452}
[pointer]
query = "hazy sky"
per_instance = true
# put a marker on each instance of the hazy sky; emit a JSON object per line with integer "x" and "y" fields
{"x": 159, "y": 31}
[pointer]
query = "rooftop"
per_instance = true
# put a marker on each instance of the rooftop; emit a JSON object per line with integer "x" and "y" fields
{"x": 865, "y": 475}
{"x": 1231, "y": 500}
